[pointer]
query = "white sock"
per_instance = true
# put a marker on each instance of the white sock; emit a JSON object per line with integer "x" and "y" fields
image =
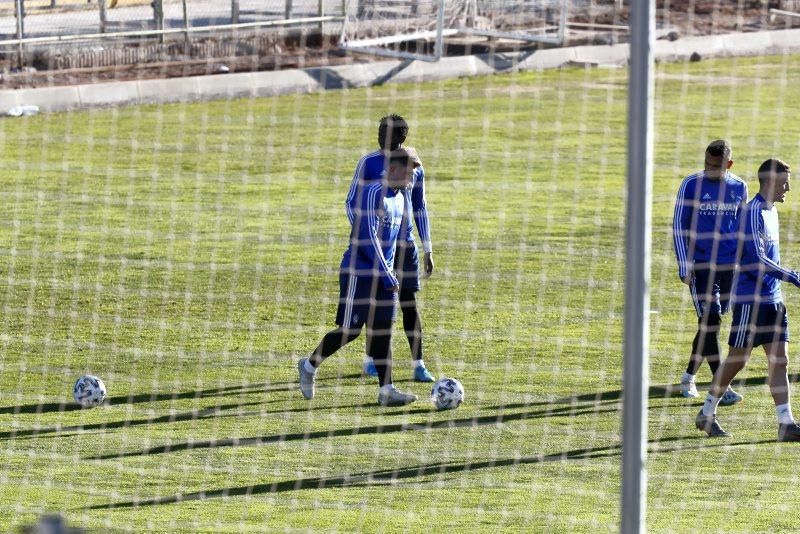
{"x": 687, "y": 378}
{"x": 387, "y": 388}
{"x": 308, "y": 367}
{"x": 784, "y": 412}
{"x": 418, "y": 363}
{"x": 710, "y": 405}
{"x": 368, "y": 360}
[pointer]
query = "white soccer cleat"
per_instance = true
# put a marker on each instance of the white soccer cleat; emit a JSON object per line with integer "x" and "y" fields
{"x": 395, "y": 398}
{"x": 689, "y": 389}
{"x": 730, "y": 397}
{"x": 306, "y": 379}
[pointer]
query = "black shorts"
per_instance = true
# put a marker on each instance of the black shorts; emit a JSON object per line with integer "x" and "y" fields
{"x": 758, "y": 324}
{"x": 364, "y": 300}
{"x": 711, "y": 289}
{"x": 406, "y": 264}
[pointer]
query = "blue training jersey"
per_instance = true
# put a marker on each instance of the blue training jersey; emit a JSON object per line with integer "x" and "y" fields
{"x": 373, "y": 237}
{"x": 371, "y": 168}
{"x": 760, "y": 272}
{"x": 705, "y": 222}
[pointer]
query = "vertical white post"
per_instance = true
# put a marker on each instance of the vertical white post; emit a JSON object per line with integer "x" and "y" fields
{"x": 438, "y": 47}
{"x": 635, "y": 380}
{"x": 19, "y": 10}
{"x": 101, "y": 6}
{"x": 562, "y": 21}
{"x": 186, "y": 46}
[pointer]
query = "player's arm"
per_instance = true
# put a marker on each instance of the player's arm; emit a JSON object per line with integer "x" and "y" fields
{"x": 351, "y": 201}
{"x": 420, "y": 208}
{"x": 368, "y": 236}
{"x": 757, "y": 242}
{"x": 681, "y": 223}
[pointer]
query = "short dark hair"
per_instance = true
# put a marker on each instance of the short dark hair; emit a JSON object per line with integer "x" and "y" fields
{"x": 719, "y": 147}
{"x": 393, "y": 130}
{"x": 770, "y": 168}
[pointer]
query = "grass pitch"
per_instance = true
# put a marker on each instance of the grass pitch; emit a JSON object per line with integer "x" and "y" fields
{"x": 187, "y": 255}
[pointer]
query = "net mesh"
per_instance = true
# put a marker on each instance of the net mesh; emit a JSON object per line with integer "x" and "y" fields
{"x": 188, "y": 255}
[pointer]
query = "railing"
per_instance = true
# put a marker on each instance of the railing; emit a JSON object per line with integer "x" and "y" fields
{"x": 158, "y": 20}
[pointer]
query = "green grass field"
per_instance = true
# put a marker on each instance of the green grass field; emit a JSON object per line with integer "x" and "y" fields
{"x": 188, "y": 254}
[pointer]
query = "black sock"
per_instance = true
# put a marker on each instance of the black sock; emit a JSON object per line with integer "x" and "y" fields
{"x": 412, "y": 323}
{"x": 379, "y": 345}
{"x": 331, "y": 342}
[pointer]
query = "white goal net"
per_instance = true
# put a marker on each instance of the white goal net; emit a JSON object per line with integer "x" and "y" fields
{"x": 186, "y": 254}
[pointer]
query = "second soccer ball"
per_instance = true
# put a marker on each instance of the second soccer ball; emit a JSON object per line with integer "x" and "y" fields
{"x": 447, "y": 394}
{"x": 89, "y": 391}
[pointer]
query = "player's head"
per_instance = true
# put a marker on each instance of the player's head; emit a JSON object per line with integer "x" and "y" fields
{"x": 718, "y": 158}
{"x": 402, "y": 162}
{"x": 392, "y": 132}
{"x": 773, "y": 180}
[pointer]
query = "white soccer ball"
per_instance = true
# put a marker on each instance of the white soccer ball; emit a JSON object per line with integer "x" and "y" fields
{"x": 447, "y": 394}
{"x": 89, "y": 391}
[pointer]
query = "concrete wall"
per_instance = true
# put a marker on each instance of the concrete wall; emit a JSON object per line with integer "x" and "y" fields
{"x": 260, "y": 84}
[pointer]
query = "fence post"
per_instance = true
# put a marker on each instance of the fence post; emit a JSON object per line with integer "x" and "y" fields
{"x": 321, "y": 13}
{"x": 101, "y": 6}
{"x": 234, "y": 11}
{"x": 158, "y": 17}
{"x": 288, "y": 13}
{"x": 187, "y": 50}
{"x": 19, "y": 11}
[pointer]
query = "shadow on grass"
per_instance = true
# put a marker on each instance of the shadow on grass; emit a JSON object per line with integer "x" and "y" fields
{"x": 193, "y": 415}
{"x": 467, "y": 422}
{"x": 210, "y": 412}
{"x": 271, "y": 387}
{"x": 392, "y": 476}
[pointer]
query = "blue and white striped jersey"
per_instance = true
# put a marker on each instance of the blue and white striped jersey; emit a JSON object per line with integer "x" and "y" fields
{"x": 705, "y": 222}
{"x": 377, "y": 219}
{"x": 371, "y": 168}
{"x": 760, "y": 272}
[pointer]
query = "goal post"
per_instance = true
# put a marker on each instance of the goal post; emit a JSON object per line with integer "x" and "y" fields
{"x": 417, "y": 29}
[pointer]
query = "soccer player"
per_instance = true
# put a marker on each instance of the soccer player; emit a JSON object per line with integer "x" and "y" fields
{"x": 368, "y": 287}
{"x": 704, "y": 235}
{"x": 392, "y": 133}
{"x": 759, "y": 315}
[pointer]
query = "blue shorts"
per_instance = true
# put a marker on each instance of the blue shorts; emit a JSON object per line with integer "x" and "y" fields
{"x": 711, "y": 289}
{"x": 758, "y": 324}
{"x": 364, "y": 300}
{"x": 407, "y": 259}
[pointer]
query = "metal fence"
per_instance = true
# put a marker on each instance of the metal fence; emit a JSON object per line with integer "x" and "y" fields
{"x": 36, "y": 23}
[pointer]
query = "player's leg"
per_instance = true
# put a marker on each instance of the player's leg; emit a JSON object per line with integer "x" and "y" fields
{"x": 379, "y": 341}
{"x": 778, "y": 373}
{"x": 408, "y": 258}
{"x": 740, "y": 344}
{"x": 699, "y": 289}
{"x": 723, "y": 282}
{"x": 352, "y": 310}
{"x": 412, "y": 324}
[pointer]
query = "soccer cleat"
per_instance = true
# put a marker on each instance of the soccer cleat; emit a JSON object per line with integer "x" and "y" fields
{"x": 395, "y": 398}
{"x": 689, "y": 389}
{"x": 788, "y": 432}
{"x": 369, "y": 369}
{"x": 421, "y": 374}
{"x": 709, "y": 425}
{"x": 306, "y": 379}
{"x": 730, "y": 398}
